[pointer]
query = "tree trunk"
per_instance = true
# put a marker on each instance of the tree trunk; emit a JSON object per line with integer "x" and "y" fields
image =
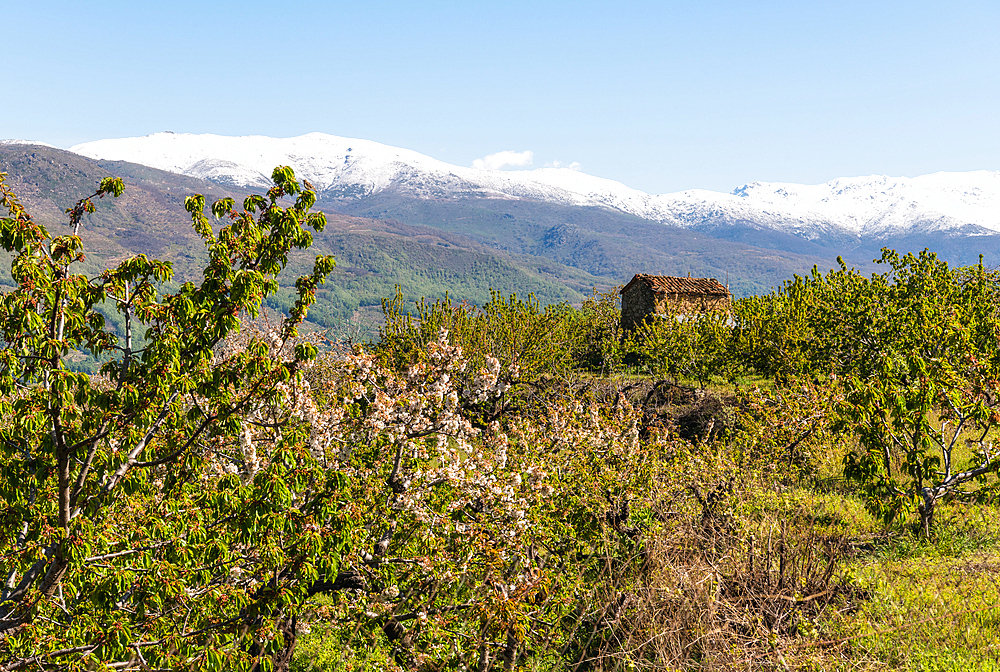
{"x": 510, "y": 650}
{"x": 282, "y": 658}
{"x": 926, "y": 509}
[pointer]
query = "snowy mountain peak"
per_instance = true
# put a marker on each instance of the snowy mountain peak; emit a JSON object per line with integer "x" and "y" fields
{"x": 860, "y": 207}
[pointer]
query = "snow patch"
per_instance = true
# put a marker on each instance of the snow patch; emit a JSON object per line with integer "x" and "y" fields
{"x": 26, "y": 142}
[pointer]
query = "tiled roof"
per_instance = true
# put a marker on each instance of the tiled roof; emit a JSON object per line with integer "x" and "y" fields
{"x": 665, "y": 284}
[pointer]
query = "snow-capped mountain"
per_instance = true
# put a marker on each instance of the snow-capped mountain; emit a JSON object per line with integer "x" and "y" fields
{"x": 861, "y": 208}
{"x": 355, "y": 168}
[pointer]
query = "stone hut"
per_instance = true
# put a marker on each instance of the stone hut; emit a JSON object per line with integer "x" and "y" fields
{"x": 646, "y": 295}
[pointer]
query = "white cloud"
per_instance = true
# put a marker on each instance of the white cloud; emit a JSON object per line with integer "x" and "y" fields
{"x": 505, "y": 158}
{"x": 559, "y": 164}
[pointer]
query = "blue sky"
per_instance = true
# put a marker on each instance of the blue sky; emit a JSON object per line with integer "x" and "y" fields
{"x": 662, "y": 96}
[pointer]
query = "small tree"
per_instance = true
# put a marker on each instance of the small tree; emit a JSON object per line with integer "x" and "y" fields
{"x": 595, "y": 333}
{"x": 772, "y": 333}
{"x": 694, "y": 346}
{"x": 478, "y": 545}
{"x": 168, "y": 512}
{"x": 917, "y": 347}
{"x": 525, "y": 342}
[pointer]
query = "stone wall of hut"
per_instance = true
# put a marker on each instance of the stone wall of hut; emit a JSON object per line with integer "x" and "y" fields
{"x": 638, "y": 302}
{"x": 641, "y": 301}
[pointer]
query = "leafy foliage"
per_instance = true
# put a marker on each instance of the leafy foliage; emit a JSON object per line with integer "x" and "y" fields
{"x": 468, "y": 539}
{"x": 595, "y": 338}
{"x": 915, "y": 349}
{"x": 922, "y": 388}
{"x": 167, "y": 512}
{"x": 694, "y": 347}
{"x": 516, "y": 339}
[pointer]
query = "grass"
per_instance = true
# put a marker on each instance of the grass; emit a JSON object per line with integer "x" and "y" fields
{"x": 326, "y": 648}
{"x": 933, "y": 605}
{"x": 926, "y": 605}
{"x": 828, "y": 513}
{"x": 928, "y": 612}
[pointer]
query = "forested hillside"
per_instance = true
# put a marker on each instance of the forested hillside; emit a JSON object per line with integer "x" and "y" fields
{"x": 373, "y": 256}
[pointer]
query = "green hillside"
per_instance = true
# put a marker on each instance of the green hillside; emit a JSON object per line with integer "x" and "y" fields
{"x": 605, "y": 242}
{"x": 374, "y": 257}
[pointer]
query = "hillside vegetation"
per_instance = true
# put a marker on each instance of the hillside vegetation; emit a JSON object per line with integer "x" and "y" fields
{"x": 806, "y": 483}
{"x": 374, "y": 256}
{"x": 606, "y": 242}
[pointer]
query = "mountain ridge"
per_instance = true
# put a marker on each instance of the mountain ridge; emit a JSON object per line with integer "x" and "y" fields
{"x": 870, "y": 208}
